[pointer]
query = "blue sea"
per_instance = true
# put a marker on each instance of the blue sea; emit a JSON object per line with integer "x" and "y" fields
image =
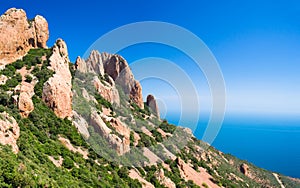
{"x": 272, "y": 143}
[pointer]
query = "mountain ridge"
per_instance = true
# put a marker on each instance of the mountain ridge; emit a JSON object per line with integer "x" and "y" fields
{"x": 46, "y": 101}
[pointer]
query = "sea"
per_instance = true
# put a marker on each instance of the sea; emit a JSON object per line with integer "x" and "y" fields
{"x": 271, "y": 142}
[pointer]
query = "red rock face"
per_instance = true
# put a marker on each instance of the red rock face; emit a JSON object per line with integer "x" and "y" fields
{"x": 18, "y": 35}
{"x": 117, "y": 68}
{"x": 57, "y": 91}
{"x": 151, "y": 102}
{"x": 109, "y": 92}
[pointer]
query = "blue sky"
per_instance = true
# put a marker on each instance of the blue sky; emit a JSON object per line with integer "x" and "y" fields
{"x": 257, "y": 44}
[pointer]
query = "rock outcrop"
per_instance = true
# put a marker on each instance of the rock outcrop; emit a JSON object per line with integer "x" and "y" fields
{"x": 95, "y": 62}
{"x": 18, "y": 35}
{"x": 81, "y": 65}
{"x": 107, "y": 90}
{"x": 57, "y": 91}
{"x": 122, "y": 129}
{"x": 188, "y": 173}
{"x": 151, "y": 103}
{"x": 167, "y": 182}
{"x": 121, "y": 145}
{"x": 3, "y": 79}
{"x": 9, "y": 131}
{"x": 25, "y": 103}
{"x": 119, "y": 70}
{"x": 116, "y": 68}
{"x": 244, "y": 168}
{"x": 81, "y": 125}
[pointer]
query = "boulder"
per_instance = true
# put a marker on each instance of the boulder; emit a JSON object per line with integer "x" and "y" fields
{"x": 25, "y": 103}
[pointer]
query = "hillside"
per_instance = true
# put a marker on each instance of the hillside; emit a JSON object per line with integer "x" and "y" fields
{"x": 86, "y": 124}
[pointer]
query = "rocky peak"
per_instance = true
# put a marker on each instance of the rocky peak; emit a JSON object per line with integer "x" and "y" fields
{"x": 95, "y": 62}
{"x": 152, "y": 104}
{"x": 81, "y": 65}
{"x": 117, "y": 68}
{"x": 18, "y": 35}
{"x": 57, "y": 91}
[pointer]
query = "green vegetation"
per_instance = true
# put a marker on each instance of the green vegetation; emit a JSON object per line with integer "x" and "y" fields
{"x": 168, "y": 128}
{"x": 103, "y": 102}
{"x": 28, "y": 78}
{"x": 146, "y": 141}
{"x": 38, "y": 140}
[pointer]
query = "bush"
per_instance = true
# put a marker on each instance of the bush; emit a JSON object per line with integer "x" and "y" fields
{"x": 146, "y": 141}
{"x": 157, "y": 135}
{"x": 18, "y": 64}
{"x": 68, "y": 163}
{"x": 165, "y": 126}
{"x": 103, "y": 102}
{"x": 12, "y": 83}
{"x": 28, "y": 78}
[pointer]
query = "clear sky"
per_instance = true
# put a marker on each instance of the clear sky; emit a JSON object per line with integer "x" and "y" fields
{"x": 257, "y": 43}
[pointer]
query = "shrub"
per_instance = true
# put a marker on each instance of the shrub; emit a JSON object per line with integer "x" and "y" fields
{"x": 68, "y": 163}
{"x": 12, "y": 83}
{"x": 28, "y": 78}
{"x": 18, "y": 64}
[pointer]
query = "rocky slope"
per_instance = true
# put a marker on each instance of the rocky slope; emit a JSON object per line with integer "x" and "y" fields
{"x": 86, "y": 125}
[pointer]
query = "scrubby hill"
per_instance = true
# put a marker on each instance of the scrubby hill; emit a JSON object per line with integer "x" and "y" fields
{"x": 86, "y": 125}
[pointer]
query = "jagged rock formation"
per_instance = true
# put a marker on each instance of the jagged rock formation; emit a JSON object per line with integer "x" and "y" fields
{"x": 122, "y": 129}
{"x": 155, "y": 153}
{"x": 95, "y": 62}
{"x": 9, "y": 131}
{"x": 121, "y": 145}
{"x": 108, "y": 90}
{"x": 18, "y": 35}
{"x": 117, "y": 68}
{"x": 151, "y": 103}
{"x": 57, "y": 92}
{"x": 80, "y": 65}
